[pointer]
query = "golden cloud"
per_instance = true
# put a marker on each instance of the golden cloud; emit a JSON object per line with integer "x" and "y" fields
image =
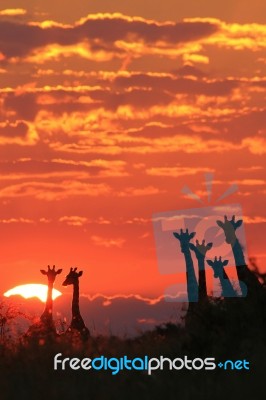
{"x": 176, "y": 171}
{"x": 250, "y": 36}
{"x": 255, "y": 220}
{"x": 43, "y": 176}
{"x": 256, "y": 145}
{"x": 251, "y": 168}
{"x": 108, "y": 33}
{"x": 133, "y": 191}
{"x": 249, "y": 182}
{"x": 74, "y": 220}
{"x": 54, "y": 52}
{"x": 107, "y": 242}
{"x": 107, "y": 168}
{"x": 10, "y": 12}
{"x": 16, "y": 221}
{"x": 195, "y": 58}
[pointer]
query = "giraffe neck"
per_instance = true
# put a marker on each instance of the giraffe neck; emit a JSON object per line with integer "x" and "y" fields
{"x": 77, "y": 322}
{"x": 238, "y": 253}
{"x": 227, "y": 287}
{"x": 239, "y": 260}
{"x": 75, "y": 300}
{"x": 248, "y": 282}
{"x": 192, "y": 285}
{"x": 202, "y": 279}
{"x": 49, "y": 303}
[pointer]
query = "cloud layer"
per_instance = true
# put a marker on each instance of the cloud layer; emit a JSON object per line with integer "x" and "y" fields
{"x": 105, "y": 119}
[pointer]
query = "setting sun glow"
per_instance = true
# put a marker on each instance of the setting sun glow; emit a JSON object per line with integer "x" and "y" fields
{"x": 32, "y": 290}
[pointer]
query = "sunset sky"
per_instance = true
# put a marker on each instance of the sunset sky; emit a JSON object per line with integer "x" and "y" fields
{"x": 108, "y": 109}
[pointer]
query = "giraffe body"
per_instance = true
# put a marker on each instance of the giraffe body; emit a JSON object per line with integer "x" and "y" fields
{"x": 246, "y": 278}
{"x": 77, "y": 325}
{"x": 200, "y": 251}
{"x": 192, "y": 284}
{"x": 45, "y": 328}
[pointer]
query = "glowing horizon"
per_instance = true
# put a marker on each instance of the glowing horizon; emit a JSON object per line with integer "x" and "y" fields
{"x": 32, "y": 290}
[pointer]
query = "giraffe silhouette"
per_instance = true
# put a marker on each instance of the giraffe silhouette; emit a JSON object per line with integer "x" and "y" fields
{"x": 192, "y": 285}
{"x": 244, "y": 274}
{"x": 220, "y": 273}
{"x": 45, "y": 327}
{"x": 47, "y": 315}
{"x": 200, "y": 251}
{"x": 77, "y": 326}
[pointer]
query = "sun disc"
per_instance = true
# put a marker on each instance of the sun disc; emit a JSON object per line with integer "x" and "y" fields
{"x": 32, "y": 290}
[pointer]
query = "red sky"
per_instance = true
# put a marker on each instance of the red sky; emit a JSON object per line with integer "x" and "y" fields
{"x": 107, "y": 111}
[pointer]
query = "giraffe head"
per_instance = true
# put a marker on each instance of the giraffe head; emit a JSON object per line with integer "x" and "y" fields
{"x": 229, "y": 227}
{"x": 72, "y": 277}
{"x": 200, "y": 249}
{"x": 217, "y": 266}
{"x": 51, "y": 273}
{"x": 184, "y": 238}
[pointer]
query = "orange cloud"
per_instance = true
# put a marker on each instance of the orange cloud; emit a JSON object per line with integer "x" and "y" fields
{"x": 251, "y": 168}
{"x": 146, "y": 191}
{"x": 255, "y": 220}
{"x": 256, "y": 145}
{"x": 54, "y": 191}
{"x": 137, "y": 220}
{"x": 108, "y": 33}
{"x": 179, "y": 143}
{"x": 39, "y": 176}
{"x": 23, "y": 133}
{"x": 106, "y": 168}
{"x": 249, "y": 182}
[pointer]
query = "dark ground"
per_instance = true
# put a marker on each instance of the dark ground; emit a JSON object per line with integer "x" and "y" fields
{"x": 233, "y": 329}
